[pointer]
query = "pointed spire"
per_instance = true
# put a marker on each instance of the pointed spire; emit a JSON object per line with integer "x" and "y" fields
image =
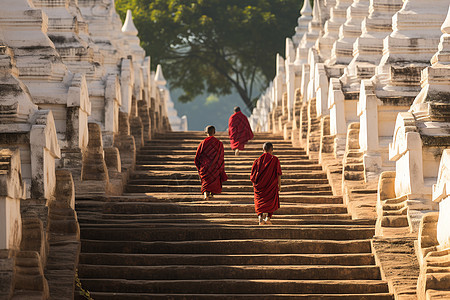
{"x": 306, "y": 9}
{"x": 446, "y": 26}
{"x": 159, "y": 77}
{"x": 316, "y": 11}
{"x": 290, "y": 51}
{"x": 128, "y": 27}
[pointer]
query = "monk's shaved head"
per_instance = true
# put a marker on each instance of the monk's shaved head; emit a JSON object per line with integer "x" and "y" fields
{"x": 236, "y": 109}
{"x": 267, "y": 147}
{"x": 210, "y": 130}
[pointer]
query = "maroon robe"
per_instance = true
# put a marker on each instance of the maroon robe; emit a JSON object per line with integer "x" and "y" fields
{"x": 239, "y": 130}
{"x": 265, "y": 172}
{"x": 209, "y": 161}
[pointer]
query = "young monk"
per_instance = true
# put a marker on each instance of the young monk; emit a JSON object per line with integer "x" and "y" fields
{"x": 209, "y": 161}
{"x": 266, "y": 178}
{"x": 239, "y": 130}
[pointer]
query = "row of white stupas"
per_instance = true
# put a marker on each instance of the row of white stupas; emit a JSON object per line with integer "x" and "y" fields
{"x": 380, "y": 67}
{"x": 77, "y": 100}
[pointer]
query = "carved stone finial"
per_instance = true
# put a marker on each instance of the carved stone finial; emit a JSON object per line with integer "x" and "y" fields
{"x": 159, "y": 77}
{"x": 306, "y": 9}
{"x": 128, "y": 27}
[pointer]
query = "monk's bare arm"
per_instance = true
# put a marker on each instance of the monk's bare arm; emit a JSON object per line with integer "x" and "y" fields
{"x": 279, "y": 182}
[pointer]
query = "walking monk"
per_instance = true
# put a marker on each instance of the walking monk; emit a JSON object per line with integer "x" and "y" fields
{"x": 209, "y": 161}
{"x": 266, "y": 178}
{"x": 239, "y": 130}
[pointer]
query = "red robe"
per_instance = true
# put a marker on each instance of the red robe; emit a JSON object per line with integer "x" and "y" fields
{"x": 239, "y": 131}
{"x": 209, "y": 161}
{"x": 265, "y": 172}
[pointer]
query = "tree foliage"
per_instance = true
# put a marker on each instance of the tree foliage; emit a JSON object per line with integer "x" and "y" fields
{"x": 214, "y": 45}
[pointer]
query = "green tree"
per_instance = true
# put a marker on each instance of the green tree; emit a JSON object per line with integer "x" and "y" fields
{"x": 214, "y": 45}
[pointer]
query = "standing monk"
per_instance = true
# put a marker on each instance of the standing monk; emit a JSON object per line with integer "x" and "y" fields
{"x": 266, "y": 178}
{"x": 239, "y": 130}
{"x": 209, "y": 161}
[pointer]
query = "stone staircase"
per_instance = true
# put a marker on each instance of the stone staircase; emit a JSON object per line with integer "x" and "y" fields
{"x": 161, "y": 240}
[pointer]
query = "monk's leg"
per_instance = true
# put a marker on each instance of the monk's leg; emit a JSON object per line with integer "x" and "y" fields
{"x": 236, "y": 152}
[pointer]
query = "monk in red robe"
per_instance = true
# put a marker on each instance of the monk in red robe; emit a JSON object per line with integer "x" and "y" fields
{"x": 209, "y": 161}
{"x": 239, "y": 130}
{"x": 266, "y": 178}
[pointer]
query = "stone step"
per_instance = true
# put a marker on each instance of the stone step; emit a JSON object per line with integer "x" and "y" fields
{"x": 156, "y": 180}
{"x": 279, "y": 220}
{"x": 240, "y": 168}
{"x": 229, "y": 199}
{"x": 189, "y": 157}
{"x": 185, "y": 144}
{"x": 186, "y": 207}
{"x": 164, "y": 175}
{"x": 150, "y": 159}
{"x": 141, "y": 296}
{"x": 323, "y": 189}
{"x": 236, "y": 286}
{"x": 194, "y": 232}
{"x": 357, "y": 259}
{"x": 158, "y": 150}
{"x": 277, "y": 246}
{"x": 250, "y": 272}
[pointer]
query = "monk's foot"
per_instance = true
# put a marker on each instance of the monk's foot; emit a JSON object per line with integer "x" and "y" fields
{"x": 206, "y": 195}
{"x": 261, "y": 220}
{"x": 236, "y": 152}
{"x": 267, "y": 221}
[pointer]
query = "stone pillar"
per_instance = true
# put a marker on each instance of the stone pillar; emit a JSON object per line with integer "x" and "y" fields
{"x": 338, "y": 122}
{"x": 12, "y": 191}
{"x": 94, "y": 175}
{"x": 63, "y": 234}
{"x": 125, "y": 143}
{"x": 368, "y": 115}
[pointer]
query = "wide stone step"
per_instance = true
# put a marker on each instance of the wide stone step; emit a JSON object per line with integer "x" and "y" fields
{"x": 189, "y": 157}
{"x": 279, "y": 220}
{"x": 358, "y": 259}
{"x": 217, "y": 199}
{"x": 194, "y": 232}
{"x": 236, "y": 286}
{"x": 300, "y": 188}
{"x": 277, "y": 246}
{"x": 158, "y": 150}
{"x": 228, "y": 162}
{"x": 142, "y": 296}
{"x": 195, "y": 180}
{"x": 241, "y": 168}
{"x": 164, "y": 208}
{"x": 225, "y": 140}
{"x": 194, "y": 272}
{"x": 174, "y": 175}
